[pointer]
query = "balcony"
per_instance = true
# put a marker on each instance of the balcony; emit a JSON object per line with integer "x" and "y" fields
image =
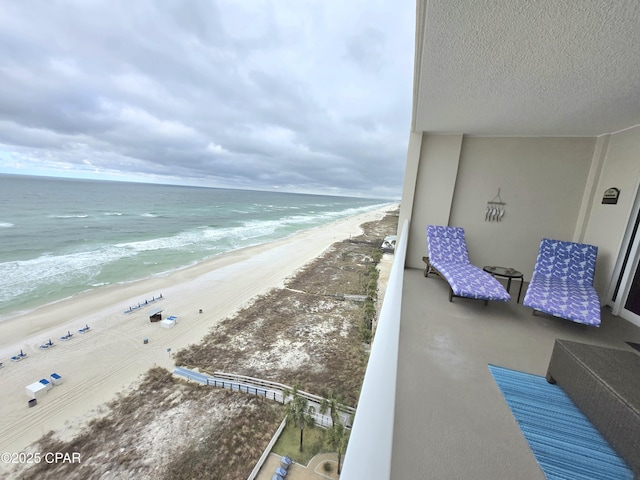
{"x": 448, "y": 417}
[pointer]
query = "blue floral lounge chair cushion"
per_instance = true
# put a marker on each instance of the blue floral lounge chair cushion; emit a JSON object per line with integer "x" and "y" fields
{"x": 562, "y": 282}
{"x": 449, "y": 257}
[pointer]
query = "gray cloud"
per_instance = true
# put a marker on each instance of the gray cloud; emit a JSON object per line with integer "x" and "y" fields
{"x": 305, "y": 96}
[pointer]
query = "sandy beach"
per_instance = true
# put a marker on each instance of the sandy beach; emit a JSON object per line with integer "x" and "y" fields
{"x": 111, "y": 356}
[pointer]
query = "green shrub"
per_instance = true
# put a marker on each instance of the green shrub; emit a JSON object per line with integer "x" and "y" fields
{"x": 366, "y": 335}
{"x": 372, "y": 288}
{"x": 369, "y": 310}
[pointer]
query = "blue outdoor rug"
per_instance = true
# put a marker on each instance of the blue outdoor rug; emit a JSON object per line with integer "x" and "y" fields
{"x": 561, "y": 438}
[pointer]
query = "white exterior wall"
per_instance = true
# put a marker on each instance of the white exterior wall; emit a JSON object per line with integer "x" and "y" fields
{"x": 542, "y": 180}
{"x": 410, "y": 178}
{"x": 434, "y": 190}
{"x": 553, "y": 187}
{"x": 606, "y": 224}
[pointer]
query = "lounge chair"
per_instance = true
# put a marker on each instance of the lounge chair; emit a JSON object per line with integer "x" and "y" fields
{"x": 84, "y": 329}
{"x": 562, "y": 282}
{"x": 448, "y": 258}
{"x": 46, "y": 345}
{"x": 285, "y": 462}
{"x": 19, "y": 356}
{"x": 67, "y": 336}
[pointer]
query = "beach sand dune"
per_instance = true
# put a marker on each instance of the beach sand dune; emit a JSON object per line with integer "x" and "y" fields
{"x": 112, "y": 355}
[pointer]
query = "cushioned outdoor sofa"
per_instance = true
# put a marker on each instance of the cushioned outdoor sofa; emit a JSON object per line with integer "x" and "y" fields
{"x": 562, "y": 282}
{"x": 448, "y": 257}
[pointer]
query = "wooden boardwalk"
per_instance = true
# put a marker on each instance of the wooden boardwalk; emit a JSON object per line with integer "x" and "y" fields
{"x": 265, "y": 388}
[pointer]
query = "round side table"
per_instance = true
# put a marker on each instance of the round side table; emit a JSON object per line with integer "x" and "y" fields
{"x": 509, "y": 274}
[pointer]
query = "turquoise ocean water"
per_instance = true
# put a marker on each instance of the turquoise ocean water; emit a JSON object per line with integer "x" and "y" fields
{"x": 60, "y": 237}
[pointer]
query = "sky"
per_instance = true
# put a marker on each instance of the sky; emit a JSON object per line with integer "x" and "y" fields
{"x": 310, "y": 96}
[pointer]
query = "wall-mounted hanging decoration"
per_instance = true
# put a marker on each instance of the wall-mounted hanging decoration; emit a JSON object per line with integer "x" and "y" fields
{"x": 611, "y": 195}
{"x": 495, "y": 209}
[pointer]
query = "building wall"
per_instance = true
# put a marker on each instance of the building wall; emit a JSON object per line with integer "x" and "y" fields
{"x": 541, "y": 180}
{"x": 435, "y": 179}
{"x": 552, "y": 186}
{"x": 606, "y": 224}
{"x": 410, "y": 175}
{"x": 590, "y": 191}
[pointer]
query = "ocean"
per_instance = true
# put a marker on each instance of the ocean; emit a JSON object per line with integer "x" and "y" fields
{"x": 60, "y": 237}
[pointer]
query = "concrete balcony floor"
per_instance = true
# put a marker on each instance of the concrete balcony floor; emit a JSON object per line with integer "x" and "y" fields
{"x": 451, "y": 422}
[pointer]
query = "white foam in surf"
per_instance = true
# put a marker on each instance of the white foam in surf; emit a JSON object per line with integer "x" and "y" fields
{"x": 24, "y": 276}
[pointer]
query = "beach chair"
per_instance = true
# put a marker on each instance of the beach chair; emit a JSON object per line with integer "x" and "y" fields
{"x": 285, "y": 462}
{"x": 562, "y": 282}
{"x": 19, "y": 356}
{"x": 84, "y": 329}
{"x": 449, "y": 259}
{"x": 67, "y": 336}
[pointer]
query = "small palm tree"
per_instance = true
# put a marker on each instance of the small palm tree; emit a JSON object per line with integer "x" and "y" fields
{"x": 336, "y": 438}
{"x": 330, "y": 404}
{"x": 299, "y": 412}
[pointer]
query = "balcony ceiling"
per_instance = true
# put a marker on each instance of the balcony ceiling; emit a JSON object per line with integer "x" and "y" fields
{"x": 534, "y": 68}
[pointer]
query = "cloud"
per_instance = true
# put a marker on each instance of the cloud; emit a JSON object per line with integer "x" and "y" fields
{"x": 303, "y": 96}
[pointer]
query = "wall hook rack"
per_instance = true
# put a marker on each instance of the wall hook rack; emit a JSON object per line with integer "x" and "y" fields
{"x": 495, "y": 209}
